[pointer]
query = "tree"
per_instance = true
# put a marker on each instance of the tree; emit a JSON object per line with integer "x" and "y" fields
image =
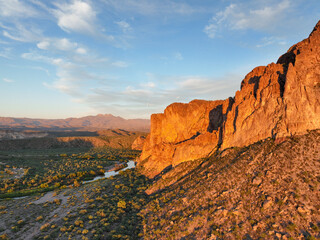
{"x": 122, "y": 204}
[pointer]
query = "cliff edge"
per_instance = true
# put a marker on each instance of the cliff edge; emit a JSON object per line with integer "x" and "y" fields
{"x": 277, "y": 100}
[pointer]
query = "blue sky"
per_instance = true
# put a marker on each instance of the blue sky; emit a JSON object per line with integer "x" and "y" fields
{"x": 131, "y": 58}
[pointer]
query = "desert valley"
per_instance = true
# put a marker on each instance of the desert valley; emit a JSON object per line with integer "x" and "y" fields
{"x": 246, "y": 167}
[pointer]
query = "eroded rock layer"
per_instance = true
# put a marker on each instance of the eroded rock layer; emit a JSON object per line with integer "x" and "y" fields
{"x": 277, "y": 100}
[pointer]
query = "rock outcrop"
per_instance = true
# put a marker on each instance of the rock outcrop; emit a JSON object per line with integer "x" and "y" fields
{"x": 138, "y": 143}
{"x": 277, "y": 100}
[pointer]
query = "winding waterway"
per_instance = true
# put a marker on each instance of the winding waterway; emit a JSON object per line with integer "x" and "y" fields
{"x": 131, "y": 164}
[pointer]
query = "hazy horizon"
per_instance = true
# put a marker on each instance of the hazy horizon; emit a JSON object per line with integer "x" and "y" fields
{"x": 96, "y": 115}
{"x": 92, "y": 115}
{"x": 74, "y": 58}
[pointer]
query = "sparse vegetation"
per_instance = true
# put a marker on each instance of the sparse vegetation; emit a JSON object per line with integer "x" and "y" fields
{"x": 258, "y": 192}
{"x": 62, "y": 207}
{"x": 45, "y": 172}
{"x": 106, "y": 209}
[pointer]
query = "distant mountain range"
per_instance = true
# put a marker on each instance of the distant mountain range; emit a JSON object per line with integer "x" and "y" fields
{"x": 88, "y": 123}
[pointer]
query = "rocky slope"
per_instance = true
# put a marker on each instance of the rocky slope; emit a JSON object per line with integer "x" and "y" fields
{"x": 100, "y": 121}
{"x": 277, "y": 100}
{"x": 268, "y": 190}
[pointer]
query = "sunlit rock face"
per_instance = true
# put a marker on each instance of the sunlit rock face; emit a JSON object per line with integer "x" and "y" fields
{"x": 280, "y": 99}
{"x": 183, "y": 132}
{"x": 138, "y": 143}
{"x": 277, "y": 100}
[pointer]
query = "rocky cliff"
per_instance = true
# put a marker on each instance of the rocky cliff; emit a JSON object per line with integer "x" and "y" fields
{"x": 277, "y": 100}
{"x": 138, "y": 143}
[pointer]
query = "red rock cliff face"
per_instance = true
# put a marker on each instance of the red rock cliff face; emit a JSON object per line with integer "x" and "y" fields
{"x": 183, "y": 132}
{"x": 274, "y": 101}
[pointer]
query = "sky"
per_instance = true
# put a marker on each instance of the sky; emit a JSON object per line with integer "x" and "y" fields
{"x": 132, "y": 58}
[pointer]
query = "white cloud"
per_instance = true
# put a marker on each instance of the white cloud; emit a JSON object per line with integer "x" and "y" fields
{"x": 43, "y": 45}
{"x": 16, "y": 8}
{"x": 266, "y": 41}
{"x": 77, "y": 16}
{"x": 57, "y": 61}
{"x": 8, "y": 80}
{"x": 13, "y": 15}
{"x": 120, "y": 64}
{"x": 125, "y": 27}
{"x": 131, "y": 91}
{"x": 149, "y": 85}
{"x": 33, "y": 56}
{"x": 6, "y": 53}
{"x": 204, "y": 86}
{"x": 65, "y": 45}
{"x": 71, "y": 78}
{"x": 145, "y": 7}
{"x": 210, "y": 30}
{"x": 150, "y": 97}
{"x": 178, "y": 56}
{"x": 61, "y": 44}
{"x": 264, "y": 16}
{"x": 23, "y": 33}
{"x": 41, "y": 4}
{"x": 75, "y": 71}
{"x": 81, "y": 50}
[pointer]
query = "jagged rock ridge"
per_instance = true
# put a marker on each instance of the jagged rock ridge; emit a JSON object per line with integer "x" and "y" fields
{"x": 276, "y": 100}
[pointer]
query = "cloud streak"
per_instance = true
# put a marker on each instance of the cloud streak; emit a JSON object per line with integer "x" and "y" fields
{"x": 17, "y": 9}
{"x": 265, "y": 16}
{"x": 155, "y": 8}
{"x": 7, "y": 80}
{"x": 125, "y": 26}
{"x": 145, "y": 99}
{"x": 23, "y": 33}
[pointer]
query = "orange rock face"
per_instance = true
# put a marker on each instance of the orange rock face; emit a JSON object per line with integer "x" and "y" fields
{"x": 280, "y": 99}
{"x": 277, "y": 100}
{"x": 138, "y": 143}
{"x": 183, "y": 132}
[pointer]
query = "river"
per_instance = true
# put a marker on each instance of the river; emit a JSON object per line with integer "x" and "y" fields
{"x": 131, "y": 164}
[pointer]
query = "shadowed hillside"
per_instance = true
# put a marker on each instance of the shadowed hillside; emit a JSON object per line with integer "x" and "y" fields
{"x": 115, "y": 138}
{"x": 263, "y": 191}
